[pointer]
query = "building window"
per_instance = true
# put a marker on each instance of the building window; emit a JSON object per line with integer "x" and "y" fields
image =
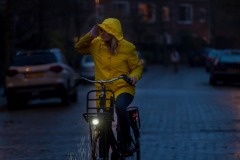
{"x": 146, "y": 11}
{"x": 165, "y": 13}
{"x": 121, "y": 7}
{"x": 202, "y": 15}
{"x": 185, "y": 14}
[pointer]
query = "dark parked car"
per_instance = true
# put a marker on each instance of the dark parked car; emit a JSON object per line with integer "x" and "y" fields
{"x": 226, "y": 68}
{"x": 210, "y": 58}
{"x": 232, "y": 51}
{"x": 198, "y": 57}
{"x": 213, "y": 54}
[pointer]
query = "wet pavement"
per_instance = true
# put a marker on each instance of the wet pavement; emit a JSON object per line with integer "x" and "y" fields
{"x": 182, "y": 118}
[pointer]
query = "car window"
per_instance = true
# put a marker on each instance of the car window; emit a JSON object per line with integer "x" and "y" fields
{"x": 232, "y": 52}
{"x": 230, "y": 58}
{"x": 89, "y": 59}
{"x": 39, "y": 58}
{"x": 214, "y": 53}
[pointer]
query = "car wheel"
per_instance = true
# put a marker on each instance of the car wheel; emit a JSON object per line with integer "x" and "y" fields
{"x": 65, "y": 97}
{"x": 74, "y": 96}
{"x": 11, "y": 104}
{"x": 14, "y": 103}
{"x": 207, "y": 69}
{"x": 212, "y": 81}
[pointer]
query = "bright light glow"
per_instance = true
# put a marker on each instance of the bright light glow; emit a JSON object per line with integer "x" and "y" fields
{"x": 97, "y": 2}
{"x": 27, "y": 69}
{"x": 95, "y": 121}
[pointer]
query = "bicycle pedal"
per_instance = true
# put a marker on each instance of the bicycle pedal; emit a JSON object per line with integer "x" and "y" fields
{"x": 127, "y": 154}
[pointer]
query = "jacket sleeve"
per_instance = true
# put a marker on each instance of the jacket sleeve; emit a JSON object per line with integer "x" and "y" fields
{"x": 135, "y": 65}
{"x": 83, "y": 44}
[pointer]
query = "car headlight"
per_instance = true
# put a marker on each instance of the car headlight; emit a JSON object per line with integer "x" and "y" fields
{"x": 95, "y": 121}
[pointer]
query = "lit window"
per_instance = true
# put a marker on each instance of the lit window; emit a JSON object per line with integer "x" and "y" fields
{"x": 185, "y": 14}
{"x": 146, "y": 12}
{"x": 165, "y": 14}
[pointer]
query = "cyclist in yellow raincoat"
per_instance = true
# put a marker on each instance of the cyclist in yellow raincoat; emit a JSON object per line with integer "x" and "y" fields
{"x": 114, "y": 56}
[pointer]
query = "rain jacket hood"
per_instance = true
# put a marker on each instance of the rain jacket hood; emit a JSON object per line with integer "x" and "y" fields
{"x": 113, "y": 27}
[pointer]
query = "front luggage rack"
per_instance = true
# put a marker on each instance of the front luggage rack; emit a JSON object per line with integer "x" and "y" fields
{"x": 104, "y": 116}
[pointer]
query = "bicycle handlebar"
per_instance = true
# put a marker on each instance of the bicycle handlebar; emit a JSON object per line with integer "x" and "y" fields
{"x": 123, "y": 76}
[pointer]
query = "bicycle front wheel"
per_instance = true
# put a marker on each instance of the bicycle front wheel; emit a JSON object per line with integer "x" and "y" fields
{"x": 95, "y": 144}
{"x": 100, "y": 146}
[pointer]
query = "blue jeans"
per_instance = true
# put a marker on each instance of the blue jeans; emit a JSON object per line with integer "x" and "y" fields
{"x": 122, "y": 102}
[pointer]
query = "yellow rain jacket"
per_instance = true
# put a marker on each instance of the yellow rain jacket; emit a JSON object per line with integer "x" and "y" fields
{"x": 107, "y": 65}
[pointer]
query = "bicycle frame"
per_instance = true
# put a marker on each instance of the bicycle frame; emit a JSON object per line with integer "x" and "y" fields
{"x": 102, "y": 117}
{"x": 106, "y": 113}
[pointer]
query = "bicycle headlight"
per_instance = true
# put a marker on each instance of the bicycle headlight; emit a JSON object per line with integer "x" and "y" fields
{"x": 95, "y": 121}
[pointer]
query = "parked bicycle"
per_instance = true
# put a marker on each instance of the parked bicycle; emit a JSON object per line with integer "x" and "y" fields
{"x": 104, "y": 141}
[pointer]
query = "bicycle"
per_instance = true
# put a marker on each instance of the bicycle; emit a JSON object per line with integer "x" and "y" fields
{"x": 104, "y": 142}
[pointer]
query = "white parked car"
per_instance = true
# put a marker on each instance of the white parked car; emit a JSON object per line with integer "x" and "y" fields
{"x": 87, "y": 67}
{"x": 39, "y": 74}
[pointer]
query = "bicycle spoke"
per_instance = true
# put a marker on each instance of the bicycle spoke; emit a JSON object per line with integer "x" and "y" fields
{"x": 95, "y": 145}
{"x": 135, "y": 134}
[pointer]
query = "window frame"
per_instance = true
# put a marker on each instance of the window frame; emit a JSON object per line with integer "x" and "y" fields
{"x": 202, "y": 15}
{"x": 188, "y": 14}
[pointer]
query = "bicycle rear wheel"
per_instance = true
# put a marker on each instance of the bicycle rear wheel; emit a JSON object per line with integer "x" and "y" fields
{"x": 135, "y": 141}
{"x": 135, "y": 132}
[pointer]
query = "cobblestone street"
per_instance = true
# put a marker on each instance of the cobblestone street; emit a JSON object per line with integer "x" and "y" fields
{"x": 184, "y": 118}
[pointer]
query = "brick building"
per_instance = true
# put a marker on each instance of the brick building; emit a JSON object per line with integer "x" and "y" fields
{"x": 155, "y": 25}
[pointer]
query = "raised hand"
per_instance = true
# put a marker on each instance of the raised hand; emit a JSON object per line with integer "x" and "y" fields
{"x": 94, "y": 31}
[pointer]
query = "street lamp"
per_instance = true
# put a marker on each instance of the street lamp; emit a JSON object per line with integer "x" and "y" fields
{"x": 97, "y": 8}
{"x": 97, "y": 3}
